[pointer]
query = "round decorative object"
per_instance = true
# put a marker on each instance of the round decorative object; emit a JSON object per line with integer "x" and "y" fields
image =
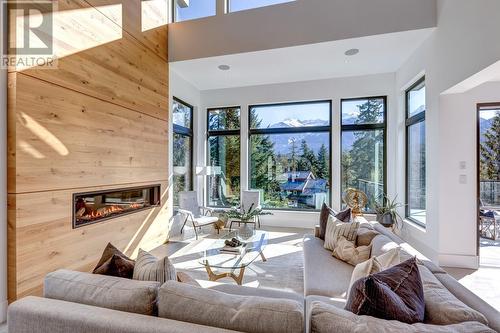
{"x": 355, "y": 199}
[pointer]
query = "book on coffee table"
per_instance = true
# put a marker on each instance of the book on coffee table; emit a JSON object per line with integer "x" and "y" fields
{"x": 233, "y": 249}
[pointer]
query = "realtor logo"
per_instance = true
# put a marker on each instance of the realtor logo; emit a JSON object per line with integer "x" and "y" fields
{"x": 30, "y": 34}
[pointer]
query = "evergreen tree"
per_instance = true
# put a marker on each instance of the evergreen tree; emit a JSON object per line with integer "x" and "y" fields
{"x": 367, "y": 152}
{"x": 323, "y": 168}
{"x": 307, "y": 160}
{"x": 490, "y": 151}
{"x": 293, "y": 163}
{"x": 263, "y": 160}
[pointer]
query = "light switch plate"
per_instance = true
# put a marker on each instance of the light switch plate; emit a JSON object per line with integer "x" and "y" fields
{"x": 462, "y": 165}
{"x": 462, "y": 179}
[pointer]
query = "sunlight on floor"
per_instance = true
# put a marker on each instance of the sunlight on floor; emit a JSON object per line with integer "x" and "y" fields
{"x": 282, "y": 270}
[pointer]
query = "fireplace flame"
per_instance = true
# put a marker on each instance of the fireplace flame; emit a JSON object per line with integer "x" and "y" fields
{"x": 108, "y": 210}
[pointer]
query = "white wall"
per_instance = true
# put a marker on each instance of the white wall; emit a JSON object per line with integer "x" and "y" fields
{"x": 465, "y": 42}
{"x": 332, "y": 89}
{"x": 3, "y": 179}
{"x": 296, "y": 23}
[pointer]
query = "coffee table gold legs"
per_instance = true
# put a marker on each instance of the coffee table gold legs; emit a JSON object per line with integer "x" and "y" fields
{"x": 262, "y": 256}
{"x": 214, "y": 277}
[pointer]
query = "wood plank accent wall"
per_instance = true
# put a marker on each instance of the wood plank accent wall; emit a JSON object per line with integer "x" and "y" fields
{"x": 98, "y": 121}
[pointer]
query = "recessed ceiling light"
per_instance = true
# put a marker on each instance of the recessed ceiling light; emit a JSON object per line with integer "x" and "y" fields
{"x": 351, "y": 52}
{"x": 224, "y": 67}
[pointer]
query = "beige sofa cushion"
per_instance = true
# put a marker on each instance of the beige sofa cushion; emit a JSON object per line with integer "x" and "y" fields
{"x": 250, "y": 314}
{"x": 382, "y": 244}
{"x": 103, "y": 291}
{"x": 149, "y": 268}
{"x": 441, "y": 307}
{"x": 323, "y": 274}
{"x": 326, "y": 318}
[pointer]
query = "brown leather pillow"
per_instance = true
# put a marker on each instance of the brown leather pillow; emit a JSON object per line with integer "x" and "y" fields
{"x": 116, "y": 266}
{"x": 115, "y": 263}
{"x": 393, "y": 294}
{"x": 326, "y": 211}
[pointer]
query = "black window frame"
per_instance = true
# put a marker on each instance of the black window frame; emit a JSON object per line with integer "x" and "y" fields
{"x": 291, "y": 130}
{"x": 410, "y": 121}
{"x": 364, "y": 127}
{"x": 212, "y": 133}
{"x": 187, "y": 132}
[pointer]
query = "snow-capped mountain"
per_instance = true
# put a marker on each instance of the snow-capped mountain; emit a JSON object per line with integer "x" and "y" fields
{"x": 289, "y": 122}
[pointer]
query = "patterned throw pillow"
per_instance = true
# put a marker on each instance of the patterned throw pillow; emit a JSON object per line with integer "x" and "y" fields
{"x": 393, "y": 294}
{"x": 114, "y": 263}
{"x": 149, "y": 268}
{"x": 335, "y": 229}
{"x": 326, "y": 212}
{"x": 348, "y": 252}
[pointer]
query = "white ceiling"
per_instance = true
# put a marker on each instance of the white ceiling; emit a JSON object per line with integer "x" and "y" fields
{"x": 489, "y": 74}
{"x": 378, "y": 54}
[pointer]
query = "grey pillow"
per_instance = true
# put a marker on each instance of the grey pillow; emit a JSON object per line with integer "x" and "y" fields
{"x": 149, "y": 268}
{"x": 103, "y": 291}
{"x": 251, "y": 314}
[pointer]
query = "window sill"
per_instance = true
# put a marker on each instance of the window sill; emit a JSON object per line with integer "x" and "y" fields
{"x": 415, "y": 225}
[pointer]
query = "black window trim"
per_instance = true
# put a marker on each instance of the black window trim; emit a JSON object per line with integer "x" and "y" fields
{"x": 184, "y": 131}
{"x": 410, "y": 121}
{"x": 212, "y": 133}
{"x": 364, "y": 127}
{"x": 289, "y": 130}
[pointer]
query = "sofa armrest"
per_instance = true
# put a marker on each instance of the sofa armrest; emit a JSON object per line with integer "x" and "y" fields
{"x": 36, "y": 314}
{"x": 316, "y": 231}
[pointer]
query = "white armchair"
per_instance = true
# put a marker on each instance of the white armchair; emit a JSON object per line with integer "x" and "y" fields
{"x": 192, "y": 211}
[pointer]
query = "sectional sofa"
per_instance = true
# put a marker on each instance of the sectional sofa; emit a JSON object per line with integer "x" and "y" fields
{"x": 80, "y": 302}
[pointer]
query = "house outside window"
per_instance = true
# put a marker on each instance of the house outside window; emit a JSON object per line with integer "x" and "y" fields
{"x": 290, "y": 154}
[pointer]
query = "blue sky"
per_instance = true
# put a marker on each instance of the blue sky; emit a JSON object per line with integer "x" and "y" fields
{"x": 204, "y": 8}
{"x": 274, "y": 114}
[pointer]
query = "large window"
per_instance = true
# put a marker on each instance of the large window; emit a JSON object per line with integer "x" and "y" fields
{"x": 363, "y": 136}
{"x": 193, "y": 9}
{"x": 290, "y": 154}
{"x": 183, "y": 148}
{"x": 223, "y": 156}
{"x": 238, "y": 5}
{"x": 415, "y": 152}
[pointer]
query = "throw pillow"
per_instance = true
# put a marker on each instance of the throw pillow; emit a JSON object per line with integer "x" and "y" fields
{"x": 335, "y": 229}
{"x": 374, "y": 265}
{"x": 149, "y": 268}
{"x": 346, "y": 251}
{"x": 116, "y": 266}
{"x": 326, "y": 212}
{"x": 344, "y": 215}
{"x": 393, "y": 294}
{"x": 365, "y": 236}
{"x": 113, "y": 262}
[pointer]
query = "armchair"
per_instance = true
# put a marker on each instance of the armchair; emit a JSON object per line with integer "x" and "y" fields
{"x": 198, "y": 215}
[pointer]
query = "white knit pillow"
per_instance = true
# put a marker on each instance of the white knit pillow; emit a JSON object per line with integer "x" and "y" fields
{"x": 336, "y": 228}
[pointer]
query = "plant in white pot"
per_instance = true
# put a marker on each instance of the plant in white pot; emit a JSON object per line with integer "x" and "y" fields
{"x": 387, "y": 212}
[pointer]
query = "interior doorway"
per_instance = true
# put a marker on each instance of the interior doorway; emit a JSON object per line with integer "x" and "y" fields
{"x": 488, "y": 181}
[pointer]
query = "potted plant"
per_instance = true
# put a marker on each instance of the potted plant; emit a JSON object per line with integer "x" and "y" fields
{"x": 244, "y": 215}
{"x": 387, "y": 212}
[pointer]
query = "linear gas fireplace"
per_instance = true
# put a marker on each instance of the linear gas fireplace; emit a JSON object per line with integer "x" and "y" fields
{"x": 93, "y": 207}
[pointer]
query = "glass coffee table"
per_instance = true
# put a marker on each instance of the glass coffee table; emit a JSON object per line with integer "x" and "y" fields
{"x": 215, "y": 258}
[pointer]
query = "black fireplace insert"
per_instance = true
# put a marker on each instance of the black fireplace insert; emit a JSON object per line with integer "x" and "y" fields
{"x": 98, "y": 206}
